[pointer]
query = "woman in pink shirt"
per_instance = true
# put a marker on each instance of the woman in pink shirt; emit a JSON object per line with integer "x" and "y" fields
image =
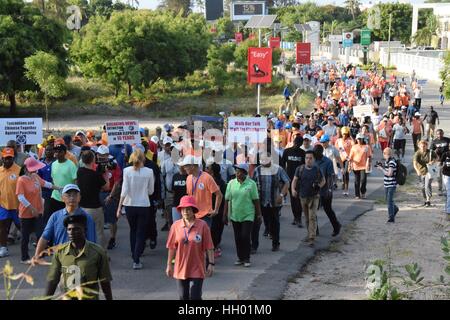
{"x": 188, "y": 242}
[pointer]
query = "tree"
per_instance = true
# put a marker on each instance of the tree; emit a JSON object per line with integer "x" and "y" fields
{"x": 225, "y": 28}
{"x": 177, "y": 6}
{"x": 24, "y": 30}
{"x": 137, "y": 47}
{"x": 445, "y": 75}
{"x": 219, "y": 57}
{"x": 424, "y": 36}
{"x": 352, "y": 6}
{"x": 401, "y": 22}
{"x": 43, "y": 69}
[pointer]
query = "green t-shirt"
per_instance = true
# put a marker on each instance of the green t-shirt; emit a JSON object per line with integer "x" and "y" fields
{"x": 62, "y": 174}
{"x": 241, "y": 197}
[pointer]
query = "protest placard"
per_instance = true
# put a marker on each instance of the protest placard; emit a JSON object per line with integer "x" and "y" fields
{"x": 252, "y": 129}
{"x": 362, "y": 111}
{"x": 22, "y": 130}
{"x": 120, "y": 132}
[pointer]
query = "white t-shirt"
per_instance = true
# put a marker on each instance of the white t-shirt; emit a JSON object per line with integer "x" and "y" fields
{"x": 399, "y": 132}
{"x": 137, "y": 186}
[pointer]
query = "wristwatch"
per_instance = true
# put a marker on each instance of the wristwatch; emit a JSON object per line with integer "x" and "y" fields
{"x": 211, "y": 263}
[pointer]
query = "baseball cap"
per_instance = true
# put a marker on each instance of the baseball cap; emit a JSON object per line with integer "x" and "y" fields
{"x": 168, "y": 140}
{"x": 50, "y": 138}
{"x": 325, "y": 138}
{"x": 307, "y": 136}
{"x": 417, "y": 114}
{"x": 80, "y": 133}
{"x": 242, "y": 166}
{"x": 360, "y": 136}
{"x": 155, "y": 139}
{"x": 190, "y": 160}
{"x": 69, "y": 187}
{"x": 103, "y": 150}
{"x": 8, "y": 152}
{"x": 331, "y": 118}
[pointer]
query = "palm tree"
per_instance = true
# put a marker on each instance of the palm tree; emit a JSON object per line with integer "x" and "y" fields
{"x": 424, "y": 36}
{"x": 352, "y": 6}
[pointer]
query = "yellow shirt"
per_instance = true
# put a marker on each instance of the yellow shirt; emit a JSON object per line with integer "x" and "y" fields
{"x": 8, "y": 183}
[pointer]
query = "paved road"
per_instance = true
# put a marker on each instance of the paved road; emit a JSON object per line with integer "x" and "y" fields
{"x": 267, "y": 277}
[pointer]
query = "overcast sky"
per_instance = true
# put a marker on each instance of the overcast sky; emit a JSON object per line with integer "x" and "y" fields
{"x": 152, "y": 4}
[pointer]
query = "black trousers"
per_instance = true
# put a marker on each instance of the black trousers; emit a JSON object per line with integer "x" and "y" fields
{"x": 186, "y": 291}
{"x": 254, "y": 241}
{"x": 217, "y": 226}
{"x": 27, "y": 227}
{"x": 272, "y": 215}
{"x": 327, "y": 207}
{"x": 138, "y": 220}
{"x": 242, "y": 235}
{"x": 151, "y": 229}
{"x": 416, "y": 137}
{"x": 418, "y": 103}
{"x": 378, "y": 100}
{"x": 296, "y": 207}
{"x": 360, "y": 182}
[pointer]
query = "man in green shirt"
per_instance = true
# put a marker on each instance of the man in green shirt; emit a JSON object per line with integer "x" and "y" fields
{"x": 242, "y": 199}
{"x": 81, "y": 263}
{"x": 63, "y": 172}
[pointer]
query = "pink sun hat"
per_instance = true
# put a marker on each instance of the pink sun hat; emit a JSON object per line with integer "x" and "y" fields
{"x": 186, "y": 202}
{"x": 33, "y": 165}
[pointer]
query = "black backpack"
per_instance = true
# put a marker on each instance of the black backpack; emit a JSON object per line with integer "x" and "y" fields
{"x": 401, "y": 173}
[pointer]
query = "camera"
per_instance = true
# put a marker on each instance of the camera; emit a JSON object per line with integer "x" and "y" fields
{"x": 104, "y": 164}
{"x": 378, "y": 164}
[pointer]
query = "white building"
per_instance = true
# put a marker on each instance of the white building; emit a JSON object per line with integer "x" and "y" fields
{"x": 442, "y": 12}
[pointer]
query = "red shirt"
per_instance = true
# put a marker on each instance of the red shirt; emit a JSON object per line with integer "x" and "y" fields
{"x": 191, "y": 245}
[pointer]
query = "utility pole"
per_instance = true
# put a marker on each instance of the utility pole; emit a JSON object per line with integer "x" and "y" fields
{"x": 389, "y": 41}
{"x": 259, "y": 85}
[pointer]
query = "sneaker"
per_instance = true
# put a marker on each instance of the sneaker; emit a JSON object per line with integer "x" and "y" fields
{"x": 4, "y": 252}
{"x": 363, "y": 196}
{"x": 266, "y": 233}
{"x": 247, "y": 264}
{"x": 390, "y": 221}
{"x": 428, "y": 204}
{"x": 27, "y": 261}
{"x": 357, "y": 198}
{"x": 111, "y": 243}
{"x": 238, "y": 263}
{"x": 165, "y": 227}
{"x": 152, "y": 245}
{"x": 137, "y": 266}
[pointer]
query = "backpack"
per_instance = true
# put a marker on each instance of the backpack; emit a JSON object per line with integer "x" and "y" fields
{"x": 401, "y": 173}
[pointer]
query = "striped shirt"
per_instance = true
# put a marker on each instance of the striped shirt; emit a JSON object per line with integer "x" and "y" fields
{"x": 390, "y": 182}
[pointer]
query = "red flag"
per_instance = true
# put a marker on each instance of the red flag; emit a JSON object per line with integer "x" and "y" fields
{"x": 238, "y": 37}
{"x": 303, "y": 53}
{"x": 259, "y": 65}
{"x": 274, "y": 42}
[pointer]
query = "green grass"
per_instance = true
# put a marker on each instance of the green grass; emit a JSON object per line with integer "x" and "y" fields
{"x": 173, "y": 100}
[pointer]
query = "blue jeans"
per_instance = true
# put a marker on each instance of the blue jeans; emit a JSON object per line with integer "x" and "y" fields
{"x": 390, "y": 192}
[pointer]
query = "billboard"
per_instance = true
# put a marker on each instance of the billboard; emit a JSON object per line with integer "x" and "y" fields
{"x": 274, "y": 42}
{"x": 303, "y": 53}
{"x": 259, "y": 69}
{"x": 213, "y": 9}
{"x": 244, "y": 10}
{"x": 347, "y": 39}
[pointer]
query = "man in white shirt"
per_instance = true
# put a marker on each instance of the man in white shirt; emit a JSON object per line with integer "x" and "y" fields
{"x": 418, "y": 97}
{"x": 330, "y": 128}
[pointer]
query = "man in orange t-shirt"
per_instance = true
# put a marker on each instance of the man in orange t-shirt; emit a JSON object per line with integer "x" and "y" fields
{"x": 9, "y": 173}
{"x": 202, "y": 186}
{"x": 417, "y": 130}
{"x": 360, "y": 157}
{"x": 398, "y": 101}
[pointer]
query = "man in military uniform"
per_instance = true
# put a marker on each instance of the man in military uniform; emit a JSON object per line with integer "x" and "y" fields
{"x": 80, "y": 262}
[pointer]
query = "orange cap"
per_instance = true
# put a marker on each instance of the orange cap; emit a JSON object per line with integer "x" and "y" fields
{"x": 8, "y": 152}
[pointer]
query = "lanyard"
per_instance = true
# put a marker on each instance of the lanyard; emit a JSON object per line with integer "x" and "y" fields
{"x": 194, "y": 186}
{"x": 186, "y": 234}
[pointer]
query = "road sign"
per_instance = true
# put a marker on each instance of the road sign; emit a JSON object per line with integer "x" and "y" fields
{"x": 365, "y": 37}
{"x": 347, "y": 39}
